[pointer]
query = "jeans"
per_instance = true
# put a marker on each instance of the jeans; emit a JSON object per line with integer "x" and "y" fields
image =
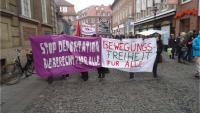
{"x": 188, "y": 55}
{"x": 155, "y": 66}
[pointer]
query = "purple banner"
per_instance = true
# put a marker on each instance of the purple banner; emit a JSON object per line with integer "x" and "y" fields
{"x": 56, "y": 55}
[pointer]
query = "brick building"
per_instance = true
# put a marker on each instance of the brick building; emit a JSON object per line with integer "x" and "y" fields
{"x": 187, "y": 18}
{"x": 99, "y": 16}
{"x": 21, "y": 19}
{"x": 67, "y": 17}
{"x": 122, "y": 17}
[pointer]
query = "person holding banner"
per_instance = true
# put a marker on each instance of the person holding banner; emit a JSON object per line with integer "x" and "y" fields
{"x": 159, "y": 51}
{"x": 131, "y": 74}
{"x": 101, "y": 72}
{"x": 172, "y": 46}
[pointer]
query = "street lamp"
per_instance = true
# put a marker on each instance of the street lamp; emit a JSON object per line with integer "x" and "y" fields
{"x": 155, "y": 10}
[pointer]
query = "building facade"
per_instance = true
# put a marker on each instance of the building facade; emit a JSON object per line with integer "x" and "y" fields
{"x": 155, "y": 14}
{"x": 122, "y": 17}
{"x": 21, "y": 19}
{"x": 66, "y": 17}
{"x": 187, "y": 17}
{"x": 98, "y": 16}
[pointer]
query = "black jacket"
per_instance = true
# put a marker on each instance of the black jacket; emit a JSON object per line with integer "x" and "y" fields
{"x": 172, "y": 43}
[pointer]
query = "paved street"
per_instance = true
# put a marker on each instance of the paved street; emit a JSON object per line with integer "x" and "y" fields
{"x": 174, "y": 92}
{"x": 15, "y": 98}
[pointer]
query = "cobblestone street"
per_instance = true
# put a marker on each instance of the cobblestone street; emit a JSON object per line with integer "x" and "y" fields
{"x": 176, "y": 91}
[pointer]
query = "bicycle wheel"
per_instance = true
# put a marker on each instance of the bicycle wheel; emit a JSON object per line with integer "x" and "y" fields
{"x": 29, "y": 70}
{"x": 12, "y": 74}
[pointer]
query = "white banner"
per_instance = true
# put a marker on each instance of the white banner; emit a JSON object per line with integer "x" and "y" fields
{"x": 131, "y": 55}
{"x": 88, "y": 29}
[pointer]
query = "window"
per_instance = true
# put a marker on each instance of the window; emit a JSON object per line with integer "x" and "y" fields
{"x": 44, "y": 11}
{"x": 26, "y": 8}
{"x": 185, "y": 1}
{"x": 63, "y": 9}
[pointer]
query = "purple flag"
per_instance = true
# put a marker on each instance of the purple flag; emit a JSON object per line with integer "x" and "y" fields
{"x": 56, "y": 55}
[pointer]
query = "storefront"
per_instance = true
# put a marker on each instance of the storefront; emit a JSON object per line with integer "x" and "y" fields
{"x": 186, "y": 20}
{"x": 165, "y": 23}
{"x": 187, "y": 16}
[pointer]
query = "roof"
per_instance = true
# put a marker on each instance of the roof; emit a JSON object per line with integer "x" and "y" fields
{"x": 91, "y": 11}
{"x": 63, "y": 3}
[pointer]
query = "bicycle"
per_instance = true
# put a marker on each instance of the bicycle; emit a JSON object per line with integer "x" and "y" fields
{"x": 12, "y": 73}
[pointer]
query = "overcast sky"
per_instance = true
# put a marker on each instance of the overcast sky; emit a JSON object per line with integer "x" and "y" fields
{"x": 81, "y": 4}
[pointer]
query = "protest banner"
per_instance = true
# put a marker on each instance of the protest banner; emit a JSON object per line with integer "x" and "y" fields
{"x": 131, "y": 55}
{"x": 88, "y": 29}
{"x": 61, "y": 54}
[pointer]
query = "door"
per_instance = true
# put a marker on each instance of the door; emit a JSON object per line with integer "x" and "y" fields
{"x": 166, "y": 34}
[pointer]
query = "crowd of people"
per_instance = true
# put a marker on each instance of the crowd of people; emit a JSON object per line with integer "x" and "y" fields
{"x": 186, "y": 46}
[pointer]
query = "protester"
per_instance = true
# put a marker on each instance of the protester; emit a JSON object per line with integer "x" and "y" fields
{"x": 172, "y": 46}
{"x": 117, "y": 37}
{"x": 102, "y": 71}
{"x": 131, "y": 36}
{"x": 50, "y": 79}
{"x": 189, "y": 41}
{"x": 196, "y": 54}
{"x": 122, "y": 37}
{"x": 66, "y": 75}
{"x": 181, "y": 47}
{"x": 158, "y": 56}
{"x": 131, "y": 74}
{"x": 84, "y": 75}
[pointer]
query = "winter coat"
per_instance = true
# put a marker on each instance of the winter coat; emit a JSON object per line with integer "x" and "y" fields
{"x": 196, "y": 46}
{"x": 159, "y": 51}
{"x": 172, "y": 43}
